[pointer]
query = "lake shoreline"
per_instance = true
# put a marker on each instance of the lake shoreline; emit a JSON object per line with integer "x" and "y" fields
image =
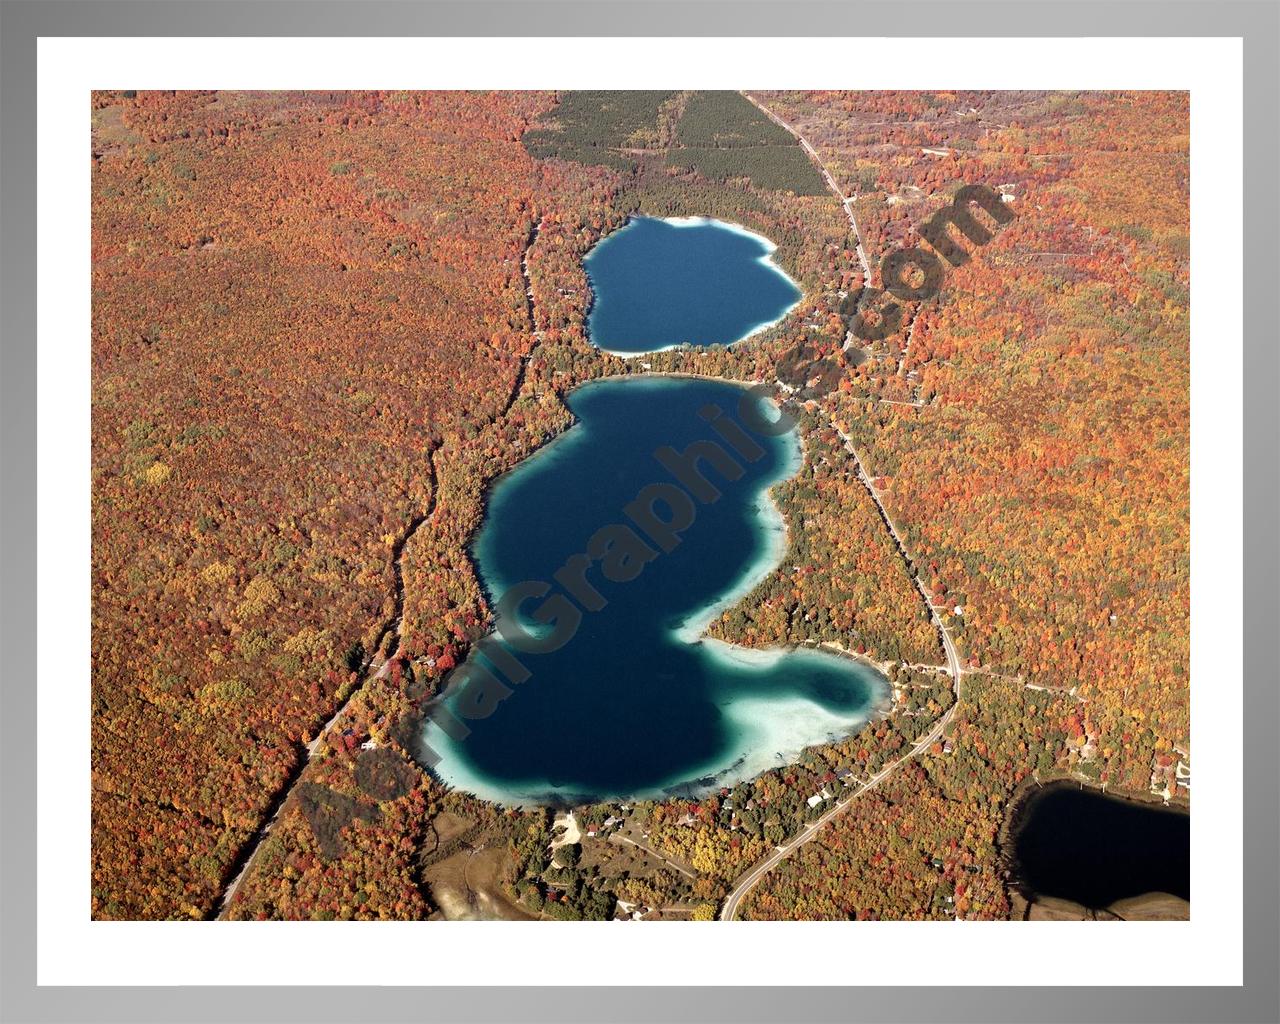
{"x": 832, "y": 723}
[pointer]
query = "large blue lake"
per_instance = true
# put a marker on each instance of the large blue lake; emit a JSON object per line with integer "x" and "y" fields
{"x": 633, "y": 703}
{"x": 660, "y": 283}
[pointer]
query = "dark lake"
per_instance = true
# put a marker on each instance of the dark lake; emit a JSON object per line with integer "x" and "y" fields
{"x": 1093, "y": 849}
{"x": 634, "y": 704}
{"x": 660, "y": 283}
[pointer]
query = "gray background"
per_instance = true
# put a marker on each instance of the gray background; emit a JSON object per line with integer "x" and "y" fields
{"x": 1257, "y": 22}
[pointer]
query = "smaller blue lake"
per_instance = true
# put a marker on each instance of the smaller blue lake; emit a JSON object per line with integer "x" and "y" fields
{"x": 661, "y": 283}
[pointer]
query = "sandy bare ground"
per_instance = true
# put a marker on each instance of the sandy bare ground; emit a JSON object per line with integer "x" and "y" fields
{"x": 571, "y": 834}
{"x": 1151, "y": 906}
{"x": 468, "y": 887}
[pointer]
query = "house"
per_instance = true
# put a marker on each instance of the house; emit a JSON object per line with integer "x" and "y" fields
{"x": 369, "y": 745}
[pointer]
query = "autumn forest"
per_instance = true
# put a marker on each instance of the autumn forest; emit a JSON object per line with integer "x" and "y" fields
{"x": 325, "y": 323}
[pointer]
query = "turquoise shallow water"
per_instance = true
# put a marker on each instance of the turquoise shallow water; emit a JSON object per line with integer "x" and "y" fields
{"x": 660, "y": 283}
{"x": 634, "y": 704}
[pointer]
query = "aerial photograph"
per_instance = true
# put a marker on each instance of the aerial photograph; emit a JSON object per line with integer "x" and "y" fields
{"x": 641, "y": 506}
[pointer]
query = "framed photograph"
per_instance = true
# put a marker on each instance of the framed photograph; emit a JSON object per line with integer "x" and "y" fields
{"x": 501, "y": 474}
